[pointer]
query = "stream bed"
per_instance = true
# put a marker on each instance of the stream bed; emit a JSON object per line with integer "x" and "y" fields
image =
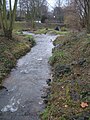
{"x": 26, "y": 82}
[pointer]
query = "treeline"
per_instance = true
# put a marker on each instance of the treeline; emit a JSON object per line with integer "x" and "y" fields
{"x": 32, "y": 10}
{"x": 29, "y": 9}
{"x": 77, "y": 14}
{"x": 74, "y": 13}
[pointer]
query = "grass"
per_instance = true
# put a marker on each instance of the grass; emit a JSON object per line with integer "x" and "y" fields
{"x": 69, "y": 90}
{"x": 45, "y": 115}
{"x": 51, "y": 31}
{"x": 55, "y": 57}
{"x": 41, "y": 31}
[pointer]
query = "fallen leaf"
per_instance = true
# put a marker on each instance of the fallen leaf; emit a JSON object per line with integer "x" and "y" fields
{"x": 84, "y": 104}
{"x": 66, "y": 106}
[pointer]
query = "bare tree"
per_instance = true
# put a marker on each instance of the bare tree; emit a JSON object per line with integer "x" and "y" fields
{"x": 7, "y": 24}
{"x": 71, "y": 16}
{"x": 33, "y": 9}
{"x": 58, "y": 11}
{"x": 84, "y": 11}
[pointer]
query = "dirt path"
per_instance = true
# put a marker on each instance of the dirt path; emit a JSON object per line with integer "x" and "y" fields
{"x": 25, "y": 84}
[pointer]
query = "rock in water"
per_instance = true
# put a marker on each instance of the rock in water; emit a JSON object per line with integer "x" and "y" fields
{"x": 57, "y": 28}
{"x": 3, "y": 87}
{"x": 48, "y": 81}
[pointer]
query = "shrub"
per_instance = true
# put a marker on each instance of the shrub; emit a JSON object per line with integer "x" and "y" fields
{"x": 63, "y": 29}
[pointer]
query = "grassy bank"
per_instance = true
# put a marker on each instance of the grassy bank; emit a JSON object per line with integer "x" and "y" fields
{"x": 70, "y": 89}
{"x": 11, "y": 50}
{"x": 51, "y": 31}
{"x": 39, "y": 28}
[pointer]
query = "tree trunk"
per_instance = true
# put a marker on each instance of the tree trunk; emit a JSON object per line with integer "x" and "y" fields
{"x": 88, "y": 25}
{"x": 33, "y": 24}
{"x": 7, "y": 25}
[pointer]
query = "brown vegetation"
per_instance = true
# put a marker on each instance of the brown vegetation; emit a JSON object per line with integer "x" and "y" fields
{"x": 10, "y": 51}
{"x": 70, "y": 89}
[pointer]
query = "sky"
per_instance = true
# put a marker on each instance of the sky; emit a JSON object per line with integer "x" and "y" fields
{"x": 51, "y": 3}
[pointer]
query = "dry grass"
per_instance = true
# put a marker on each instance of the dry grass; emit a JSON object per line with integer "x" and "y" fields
{"x": 70, "y": 89}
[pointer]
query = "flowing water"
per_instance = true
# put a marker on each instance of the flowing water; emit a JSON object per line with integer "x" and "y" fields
{"x": 26, "y": 82}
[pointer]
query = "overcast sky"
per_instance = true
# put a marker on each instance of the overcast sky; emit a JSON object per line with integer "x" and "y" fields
{"x": 51, "y": 3}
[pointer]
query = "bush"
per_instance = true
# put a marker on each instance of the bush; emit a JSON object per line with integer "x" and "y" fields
{"x": 63, "y": 29}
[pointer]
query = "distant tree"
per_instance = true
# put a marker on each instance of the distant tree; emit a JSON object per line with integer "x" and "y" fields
{"x": 7, "y": 24}
{"x": 83, "y": 7}
{"x": 58, "y": 11}
{"x": 71, "y": 16}
{"x": 33, "y": 9}
{"x": 59, "y": 14}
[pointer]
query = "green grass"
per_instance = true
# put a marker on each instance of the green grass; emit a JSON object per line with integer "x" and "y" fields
{"x": 59, "y": 32}
{"x": 45, "y": 114}
{"x": 55, "y": 57}
{"x": 41, "y": 31}
{"x": 51, "y": 31}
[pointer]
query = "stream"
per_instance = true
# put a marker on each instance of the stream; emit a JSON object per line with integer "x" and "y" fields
{"x": 26, "y": 82}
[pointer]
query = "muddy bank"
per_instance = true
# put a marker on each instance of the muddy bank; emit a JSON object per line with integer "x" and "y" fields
{"x": 27, "y": 82}
{"x": 70, "y": 89}
{"x": 10, "y": 51}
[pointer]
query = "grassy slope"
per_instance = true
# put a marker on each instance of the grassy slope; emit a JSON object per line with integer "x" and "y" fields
{"x": 11, "y": 50}
{"x": 70, "y": 86}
